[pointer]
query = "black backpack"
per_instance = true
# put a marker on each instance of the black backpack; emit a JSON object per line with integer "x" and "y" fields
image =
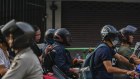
{"x": 48, "y": 61}
{"x": 35, "y": 48}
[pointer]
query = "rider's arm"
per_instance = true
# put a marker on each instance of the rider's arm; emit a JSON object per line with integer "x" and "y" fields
{"x": 3, "y": 70}
{"x": 122, "y": 59}
{"x": 112, "y": 69}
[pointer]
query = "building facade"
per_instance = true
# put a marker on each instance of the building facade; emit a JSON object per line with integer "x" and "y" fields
{"x": 84, "y": 18}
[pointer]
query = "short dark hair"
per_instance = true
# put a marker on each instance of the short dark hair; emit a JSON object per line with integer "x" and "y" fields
{"x": 36, "y": 28}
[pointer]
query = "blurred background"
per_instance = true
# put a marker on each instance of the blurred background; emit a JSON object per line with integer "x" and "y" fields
{"x": 83, "y": 18}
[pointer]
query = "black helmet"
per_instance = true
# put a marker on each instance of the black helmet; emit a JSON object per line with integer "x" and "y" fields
{"x": 125, "y": 32}
{"x": 2, "y": 39}
{"x": 110, "y": 33}
{"x": 63, "y": 34}
{"x": 22, "y": 33}
{"x": 49, "y": 36}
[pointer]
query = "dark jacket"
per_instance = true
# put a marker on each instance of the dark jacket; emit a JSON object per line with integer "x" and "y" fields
{"x": 62, "y": 57}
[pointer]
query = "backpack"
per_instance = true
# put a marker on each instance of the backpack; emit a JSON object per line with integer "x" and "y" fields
{"x": 48, "y": 61}
{"x": 35, "y": 48}
{"x": 87, "y": 66}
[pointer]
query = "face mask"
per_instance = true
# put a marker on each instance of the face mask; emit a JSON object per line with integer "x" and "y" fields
{"x": 115, "y": 41}
{"x": 50, "y": 41}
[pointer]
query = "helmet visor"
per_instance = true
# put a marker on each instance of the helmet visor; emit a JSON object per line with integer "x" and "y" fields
{"x": 131, "y": 29}
{"x": 68, "y": 39}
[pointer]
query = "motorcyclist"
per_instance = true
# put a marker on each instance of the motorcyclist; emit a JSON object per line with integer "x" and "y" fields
{"x": 25, "y": 65}
{"x": 48, "y": 38}
{"x": 101, "y": 61}
{"x": 126, "y": 38}
{"x": 62, "y": 57}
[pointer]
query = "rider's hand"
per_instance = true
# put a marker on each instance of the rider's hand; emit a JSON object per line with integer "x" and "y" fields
{"x": 80, "y": 60}
{"x": 132, "y": 73}
{"x": 75, "y": 71}
{"x": 134, "y": 57}
{"x": 48, "y": 48}
{"x": 136, "y": 60}
{"x": 76, "y": 61}
{"x": 50, "y": 74}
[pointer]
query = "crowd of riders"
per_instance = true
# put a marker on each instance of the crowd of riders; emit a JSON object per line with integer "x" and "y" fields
{"x": 21, "y": 57}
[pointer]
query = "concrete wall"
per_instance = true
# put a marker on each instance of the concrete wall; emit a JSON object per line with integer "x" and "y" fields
{"x": 57, "y": 15}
